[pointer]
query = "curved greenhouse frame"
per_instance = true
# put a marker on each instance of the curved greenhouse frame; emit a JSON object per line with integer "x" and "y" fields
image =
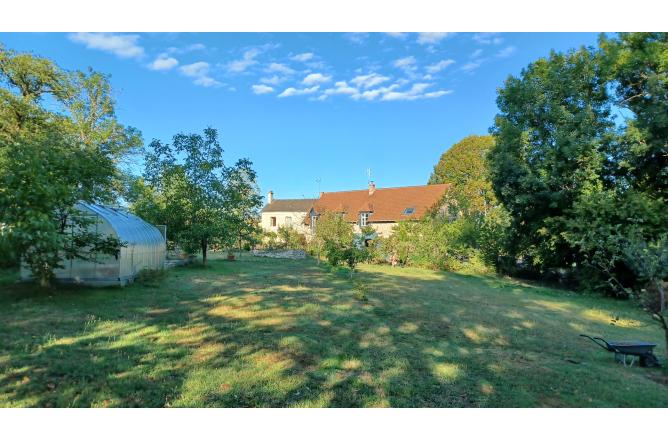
{"x": 145, "y": 248}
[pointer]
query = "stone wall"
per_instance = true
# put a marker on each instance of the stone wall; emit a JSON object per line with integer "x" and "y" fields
{"x": 291, "y": 254}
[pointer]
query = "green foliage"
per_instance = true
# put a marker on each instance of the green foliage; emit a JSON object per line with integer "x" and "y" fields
{"x": 50, "y": 158}
{"x": 649, "y": 262}
{"x": 637, "y": 67}
{"x": 579, "y": 185}
{"x": 464, "y": 167}
{"x": 334, "y": 236}
{"x": 8, "y": 256}
{"x": 187, "y": 187}
{"x": 270, "y": 240}
{"x": 361, "y": 291}
{"x": 186, "y": 193}
{"x": 493, "y": 236}
{"x": 290, "y": 238}
{"x": 151, "y": 277}
{"x": 552, "y": 132}
{"x": 242, "y": 203}
{"x": 435, "y": 243}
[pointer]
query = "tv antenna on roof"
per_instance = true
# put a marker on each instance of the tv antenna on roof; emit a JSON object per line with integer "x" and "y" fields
{"x": 368, "y": 174}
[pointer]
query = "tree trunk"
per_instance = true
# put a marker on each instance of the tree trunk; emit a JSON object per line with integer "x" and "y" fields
{"x": 44, "y": 281}
{"x": 660, "y": 315}
{"x": 239, "y": 247}
{"x": 44, "y": 276}
{"x": 204, "y": 246}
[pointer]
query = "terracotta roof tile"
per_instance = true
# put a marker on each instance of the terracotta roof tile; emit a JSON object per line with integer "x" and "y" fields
{"x": 385, "y": 204}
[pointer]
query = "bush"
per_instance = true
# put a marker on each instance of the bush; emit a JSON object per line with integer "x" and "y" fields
{"x": 8, "y": 257}
{"x": 360, "y": 292}
{"x": 289, "y": 238}
{"x": 150, "y": 277}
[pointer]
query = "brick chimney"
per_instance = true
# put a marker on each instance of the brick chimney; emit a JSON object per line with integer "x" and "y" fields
{"x": 372, "y": 187}
{"x": 270, "y": 197}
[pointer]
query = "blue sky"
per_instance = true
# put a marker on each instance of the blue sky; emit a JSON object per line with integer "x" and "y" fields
{"x": 309, "y": 106}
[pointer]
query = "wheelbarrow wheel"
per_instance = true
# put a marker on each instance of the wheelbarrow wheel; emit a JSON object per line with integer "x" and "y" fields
{"x": 649, "y": 360}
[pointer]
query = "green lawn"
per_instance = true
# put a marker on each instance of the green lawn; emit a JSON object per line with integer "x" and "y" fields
{"x": 264, "y": 332}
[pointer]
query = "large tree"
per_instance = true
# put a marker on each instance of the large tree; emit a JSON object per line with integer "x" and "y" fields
{"x": 581, "y": 157}
{"x": 637, "y": 67}
{"x": 464, "y": 166}
{"x": 189, "y": 174}
{"x": 187, "y": 186}
{"x": 46, "y": 167}
{"x": 553, "y": 134}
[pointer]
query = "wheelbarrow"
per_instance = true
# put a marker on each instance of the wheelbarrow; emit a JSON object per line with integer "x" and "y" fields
{"x": 624, "y": 350}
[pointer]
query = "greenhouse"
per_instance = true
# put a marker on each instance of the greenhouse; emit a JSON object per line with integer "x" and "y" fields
{"x": 145, "y": 248}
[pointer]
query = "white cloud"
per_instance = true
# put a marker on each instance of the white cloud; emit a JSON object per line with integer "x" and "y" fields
{"x": 261, "y": 89}
{"x": 195, "y": 69}
{"x": 487, "y": 38}
{"x": 388, "y": 93}
{"x": 302, "y": 57}
{"x": 437, "y": 67}
{"x": 291, "y": 91}
{"x": 432, "y": 37}
{"x": 368, "y": 81}
{"x": 273, "y": 80}
{"x": 403, "y": 63}
{"x": 124, "y": 46}
{"x": 163, "y": 62}
{"x": 206, "y": 81}
{"x": 186, "y": 49}
{"x": 356, "y": 37}
{"x": 196, "y": 46}
{"x": 476, "y": 53}
{"x": 280, "y": 68}
{"x": 247, "y": 60}
{"x": 473, "y": 65}
{"x": 316, "y": 78}
{"x": 399, "y": 35}
{"x": 200, "y": 72}
{"x": 437, "y": 94}
{"x": 341, "y": 88}
{"x": 415, "y": 92}
{"x": 370, "y": 95}
{"x": 506, "y": 52}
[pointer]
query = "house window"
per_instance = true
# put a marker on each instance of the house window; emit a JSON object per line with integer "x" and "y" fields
{"x": 273, "y": 221}
{"x": 364, "y": 218}
{"x": 288, "y": 221}
{"x": 313, "y": 221}
{"x": 409, "y": 211}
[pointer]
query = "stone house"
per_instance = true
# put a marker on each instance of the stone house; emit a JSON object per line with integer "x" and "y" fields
{"x": 285, "y": 212}
{"x": 380, "y": 208}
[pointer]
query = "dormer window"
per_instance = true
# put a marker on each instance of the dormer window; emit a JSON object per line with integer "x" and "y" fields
{"x": 314, "y": 218}
{"x": 364, "y": 218}
{"x": 409, "y": 211}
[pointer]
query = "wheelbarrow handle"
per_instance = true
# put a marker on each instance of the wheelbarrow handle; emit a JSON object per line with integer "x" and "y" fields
{"x": 604, "y": 344}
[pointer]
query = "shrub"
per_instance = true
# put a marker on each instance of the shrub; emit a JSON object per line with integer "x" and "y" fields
{"x": 289, "y": 238}
{"x": 360, "y": 292}
{"x": 151, "y": 277}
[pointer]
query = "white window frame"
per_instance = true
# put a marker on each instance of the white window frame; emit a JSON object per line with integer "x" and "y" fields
{"x": 314, "y": 218}
{"x": 288, "y": 221}
{"x": 364, "y": 219}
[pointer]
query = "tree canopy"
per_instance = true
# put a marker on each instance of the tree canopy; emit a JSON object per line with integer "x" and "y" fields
{"x": 576, "y": 178}
{"x": 464, "y": 166}
{"x": 51, "y": 157}
{"x": 187, "y": 186}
